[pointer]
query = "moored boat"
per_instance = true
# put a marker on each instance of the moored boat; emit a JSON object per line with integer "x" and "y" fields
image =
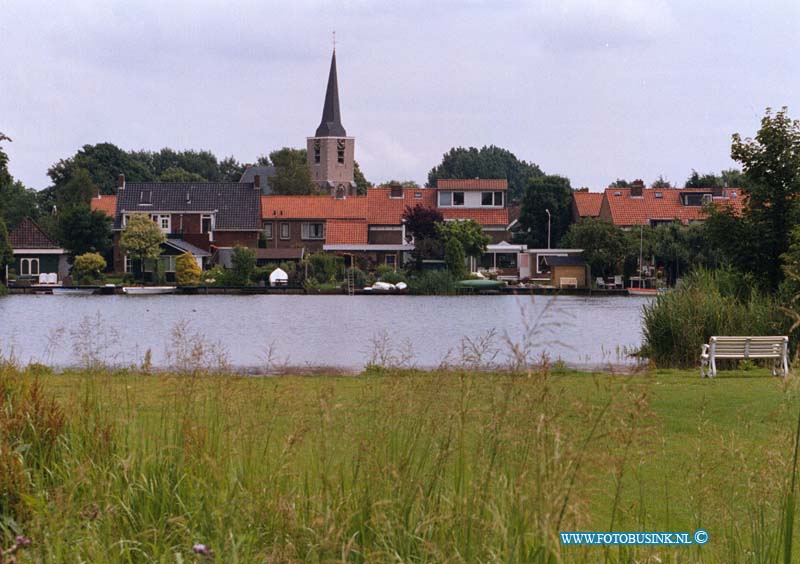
{"x": 481, "y": 284}
{"x": 147, "y": 290}
{"x": 73, "y": 291}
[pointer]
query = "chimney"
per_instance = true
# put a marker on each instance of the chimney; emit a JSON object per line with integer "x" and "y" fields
{"x": 121, "y": 182}
{"x": 637, "y": 187}
{"x": 257, "y": 182}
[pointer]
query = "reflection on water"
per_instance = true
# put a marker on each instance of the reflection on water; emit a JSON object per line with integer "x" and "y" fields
{"x": 319, "y": 331}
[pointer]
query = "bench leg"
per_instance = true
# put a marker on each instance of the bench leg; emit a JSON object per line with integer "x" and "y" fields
{"x": 713, "y": 368}
{"x": 703, "y": 367}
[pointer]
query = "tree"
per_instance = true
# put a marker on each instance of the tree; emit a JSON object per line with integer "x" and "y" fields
{"x": 77, "y": 192}
{"x": 422, "y": 222}
{"x": 619, "y": 183}
{"x": 88, "y": 267}
{"x": 243, "y": 264}
{"x": 486, "y": 162}
{"x": 771, "y": 165}
{"x": 141, "y": 239}
{"x": 361, "y": 181}
{"x": 468, "y": 233}
{"x": 708, "y": 180}
{"x": 230, "y": 170}
{"x": 661, "y": 182}
{"x": 454, "y": 258}
{"x": 603, "y": 244}
{"x": 292, "y": 175}
{"x": 177, "y": 174}
{"x": 6, "y": 252}
{"x": 16, "y": 201}
{"x": 187, "y": 271}
{"x": 81, "y": 230}
{"x": 544, "y": 193}
{"x": 103, "y": 162}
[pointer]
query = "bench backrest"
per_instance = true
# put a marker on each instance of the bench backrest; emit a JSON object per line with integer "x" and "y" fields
{"x": 749, "y": 347}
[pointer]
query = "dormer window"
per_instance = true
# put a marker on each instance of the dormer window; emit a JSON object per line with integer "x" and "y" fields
{"x": 396, "y": 191}
{"x": 618, "y": 193}
{"x": 146, "y": 197}
{"x": 659, "y": 195}
{"x": 494, "y": 199}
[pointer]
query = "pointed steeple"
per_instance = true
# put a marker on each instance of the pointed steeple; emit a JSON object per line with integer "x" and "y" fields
{"x": 331, "y": 124}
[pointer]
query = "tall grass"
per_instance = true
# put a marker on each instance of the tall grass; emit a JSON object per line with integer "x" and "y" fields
{"x": 677, "y": 324}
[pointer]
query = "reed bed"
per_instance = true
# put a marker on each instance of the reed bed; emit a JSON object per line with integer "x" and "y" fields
{"x": 392, "y": 466}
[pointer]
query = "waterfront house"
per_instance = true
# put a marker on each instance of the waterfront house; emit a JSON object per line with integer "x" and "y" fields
{"x": 586, "y": 204}
{"x": 35, "y": 253}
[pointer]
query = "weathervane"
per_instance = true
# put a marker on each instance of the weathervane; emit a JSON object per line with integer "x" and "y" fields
{"x": 334, "y": 40}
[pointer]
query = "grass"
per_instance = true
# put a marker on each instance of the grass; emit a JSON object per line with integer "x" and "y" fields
{"x": 394, "y": 465}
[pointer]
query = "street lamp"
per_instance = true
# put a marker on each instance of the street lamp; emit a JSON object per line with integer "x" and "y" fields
{"x": 548, "y": 227}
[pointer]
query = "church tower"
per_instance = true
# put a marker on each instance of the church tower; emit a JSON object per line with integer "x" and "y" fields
{"x": 331, "y": 153}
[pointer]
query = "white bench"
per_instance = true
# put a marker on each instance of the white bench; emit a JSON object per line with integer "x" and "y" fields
{"x": 567, "y": 281}
{"x": 775, "y": 348}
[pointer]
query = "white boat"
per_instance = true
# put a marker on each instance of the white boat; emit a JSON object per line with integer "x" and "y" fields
{"x": 73, "y": 291}
{"x": 147, "y": 290}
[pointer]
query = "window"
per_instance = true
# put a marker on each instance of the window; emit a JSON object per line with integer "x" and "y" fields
{"x": 391, "y": 260}
{"x": 445, "y": 198}
{"x": 694, "y": 199}
{"x": 417, "y": 195}
{"x": 313, "y": 230}
{"x": 316, "y": 152}
{"x": 340, "y": 151}
{"x": 163, "y": 222}
{"x": 396, "y": 191}
{"x": 659, "y": 195}
{"x": 506, "y": 260}
{"x": 487, "y": 260}
{"x": 284, "y": 230}
{"x": 128, "y": 266}
{"x": 458, "y": 198}
{"x": 205, "y": 223}
{"x": 168, "y": 264}
{"x": 268, "y": 230}
{"x": 733, "y": 194}
{"x": 492, "y": 198}
{"x": 29, "y": 267}
{"x": 146, "y": 197}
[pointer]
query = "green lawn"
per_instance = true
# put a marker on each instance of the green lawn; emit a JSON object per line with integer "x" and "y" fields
{"x": 394, "y": 466}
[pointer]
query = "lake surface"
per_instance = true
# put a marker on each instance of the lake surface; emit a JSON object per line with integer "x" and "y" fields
{"x": 345, "y": 332}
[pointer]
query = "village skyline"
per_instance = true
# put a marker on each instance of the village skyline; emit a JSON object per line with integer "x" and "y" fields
{"x": 587, "y": 91}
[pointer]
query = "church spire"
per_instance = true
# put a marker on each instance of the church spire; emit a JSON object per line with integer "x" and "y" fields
{"x": 331, "y": 124}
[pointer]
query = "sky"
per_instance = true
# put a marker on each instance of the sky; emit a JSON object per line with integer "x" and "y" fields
{"x": 594, "y": 90}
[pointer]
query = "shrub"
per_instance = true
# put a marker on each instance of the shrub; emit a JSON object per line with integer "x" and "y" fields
{"x": 325, "y": 268}
{"x": 88, "y": 267}
{"x": 677, "y": 324}
{"x": 243, "y": 265}
{"x": 359, "y": 277}
{"x": 187, "y": 271}
{"x": 454, "y": 258}
{"x": 215, "y": 276}
{"x": 386, "y": 273}
{"x": 433, "y": 282}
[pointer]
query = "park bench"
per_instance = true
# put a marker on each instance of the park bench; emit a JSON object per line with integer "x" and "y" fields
{"x": 775, "y": 348}
{"x": 568, "y": 281}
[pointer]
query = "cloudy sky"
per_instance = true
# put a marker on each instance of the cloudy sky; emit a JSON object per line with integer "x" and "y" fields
{"x": 593, "y": 90}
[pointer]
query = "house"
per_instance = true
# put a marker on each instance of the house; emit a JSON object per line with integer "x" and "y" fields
{"x": 586, "y": 204}
{"x": 195, "y": 216}
{"x": 549, "y": 266}
{"x": 35, "y": 253}
{"x": 638, "y": 205}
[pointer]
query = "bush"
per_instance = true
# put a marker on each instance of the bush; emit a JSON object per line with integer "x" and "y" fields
{"x": 216, "y": 276}
{"x": 187, "y": 271}
{"x": 677, "y": 324}
{"x": 243, "y": 266}
{"x": 359, "y": 277}
{"x": 261, "y": 273}
{"x": 433, "y": 283}
{"x": 454, "y": 258}
{"x": 325, "y": 268}
{"x": 386, "y": 273}
{"x": 88, "y": 267}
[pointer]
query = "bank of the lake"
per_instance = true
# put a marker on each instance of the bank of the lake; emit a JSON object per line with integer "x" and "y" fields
{"x": 397, "y": 465}
{"x": 343, "y": 332}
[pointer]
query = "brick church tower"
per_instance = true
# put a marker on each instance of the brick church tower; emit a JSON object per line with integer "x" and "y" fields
{"x": 331, "y": 153}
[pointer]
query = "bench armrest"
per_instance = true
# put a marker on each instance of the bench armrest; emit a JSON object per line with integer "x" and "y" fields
{"x": 705, "y": 349}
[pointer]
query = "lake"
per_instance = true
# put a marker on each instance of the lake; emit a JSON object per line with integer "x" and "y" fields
{"x": 274, "y": 332}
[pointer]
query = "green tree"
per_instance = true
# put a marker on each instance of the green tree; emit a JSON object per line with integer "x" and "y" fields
{"x": 81, "y": 230}
{"x": 771, "y": 165}
{"x": 486, "y": 162}
{"x": 361, "y": 181}
{"x": 243, "y": 265}
{"x": 603, "y": 243}
{"x": 708, "y": 180}
{"x": 454, "y": 258}
{"x": 187, "y": 271}
{"x": 103, "y": 162}
{"x": 177, "y": 174}
{"x": 292, "y": 175}
{"x": 230, "y": 170}
{"x": 544, "y": 193}
{"x": 619, "y": 183}
{"x": 6, "y": 252}
{"x": 141, "y": 239}
{"x": 88, "y": 267}
{"x": 16, "y": 201}
{"x": 77, "y": 192}
{"x": 468, "y": 233}
{"x": 661, "y": 182}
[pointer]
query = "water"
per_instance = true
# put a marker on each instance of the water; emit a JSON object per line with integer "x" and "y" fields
{"x": 317, "y": 331}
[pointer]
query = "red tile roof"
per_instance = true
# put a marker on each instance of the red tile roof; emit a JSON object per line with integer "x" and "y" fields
{"x": 384, "y": 210}
{"x": 472, "y": 184}
{"x": 106, "y": 204}
{"x": 588, "y": 203}
{"x": 346, "y": 232}
{"x": 496, "y": 216}
{"x": 313, "y": 207}
{"x": 626, "y": 210}
{"x": 28, "y": 235}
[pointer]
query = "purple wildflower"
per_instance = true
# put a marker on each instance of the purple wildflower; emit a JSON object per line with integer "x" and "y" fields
{"x": 199, "y": 548}
{"x": 23, "y": 541}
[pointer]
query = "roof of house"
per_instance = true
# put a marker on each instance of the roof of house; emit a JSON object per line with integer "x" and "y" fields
{"x": 237, "y": 204}
{"x": 346, "y": 232}
{"x": 28, "y": 235}
{"x": 313, "y": 207}
{"x": 382, "y": 209}
{"x": 182, "y": 245}
{"x": 265, "y": 172}
{"x": 564, "y": 261}
{"x": 288, "y": 253}
{"x": 490, "y": 216}
{"x": 331, "y": 123}
{"x": 664, "y": 204}
{"x": 105, "y": 203}
{"x": 472, "y": 184}
{"x": 588, "y": 203}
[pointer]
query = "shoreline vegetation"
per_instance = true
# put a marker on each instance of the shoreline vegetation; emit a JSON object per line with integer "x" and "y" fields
{"x": 127, "y": 465}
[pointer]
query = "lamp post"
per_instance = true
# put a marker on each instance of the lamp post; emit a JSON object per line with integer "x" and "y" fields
{"x": 548, "y": 227}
